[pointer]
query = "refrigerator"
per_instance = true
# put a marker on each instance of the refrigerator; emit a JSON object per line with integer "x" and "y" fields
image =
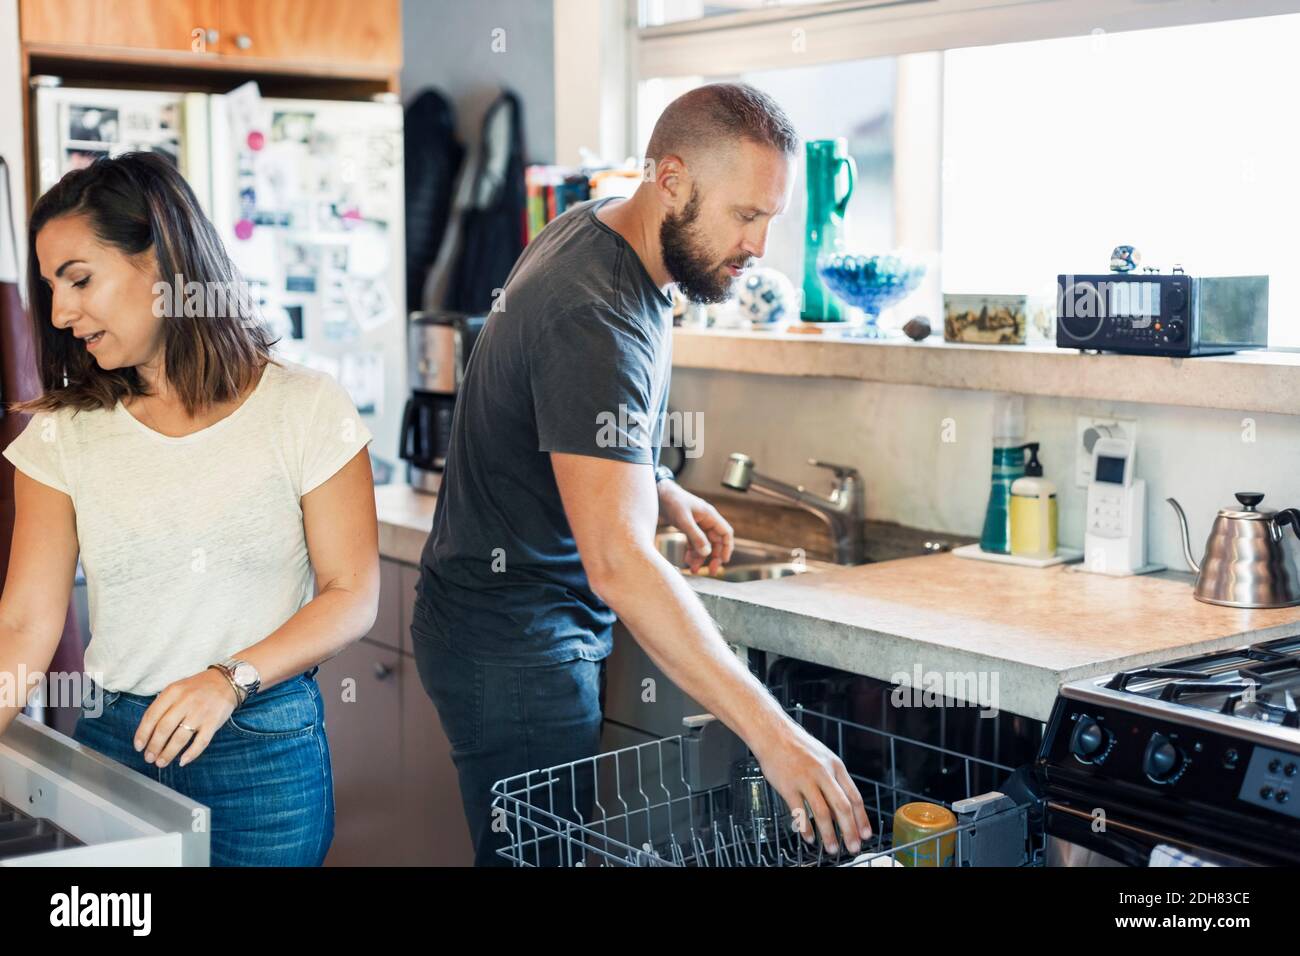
{"x": 307, "y": 196}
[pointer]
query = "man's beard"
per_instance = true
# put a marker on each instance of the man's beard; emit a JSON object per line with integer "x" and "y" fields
{"x": 697, "y": 276}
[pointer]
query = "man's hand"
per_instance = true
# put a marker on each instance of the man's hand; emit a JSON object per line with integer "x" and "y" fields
{"x": 202, "y": 703}
{"x": 807, "y": 774}
{"x": 708, "y": 535}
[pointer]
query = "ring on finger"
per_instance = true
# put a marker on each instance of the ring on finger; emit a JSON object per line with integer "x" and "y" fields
{"x": 192, "y": 730}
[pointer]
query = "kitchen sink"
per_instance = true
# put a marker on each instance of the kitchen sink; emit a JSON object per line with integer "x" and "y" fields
{"x": 750, "y": 560}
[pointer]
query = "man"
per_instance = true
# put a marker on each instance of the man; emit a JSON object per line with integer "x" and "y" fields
{"x": 544, "y": 527}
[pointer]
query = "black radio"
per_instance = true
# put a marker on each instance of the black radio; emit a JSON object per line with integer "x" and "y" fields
{"x": 1155, "y": 314}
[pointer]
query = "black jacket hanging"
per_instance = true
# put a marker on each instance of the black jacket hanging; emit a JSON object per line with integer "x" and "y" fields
{"x": 433, "y": 160}
{"x": 492, "y": 225}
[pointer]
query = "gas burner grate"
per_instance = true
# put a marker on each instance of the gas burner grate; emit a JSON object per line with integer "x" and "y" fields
{"x": 1122, "y": 680}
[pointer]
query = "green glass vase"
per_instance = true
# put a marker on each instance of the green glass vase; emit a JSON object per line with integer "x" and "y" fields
{"x": 830, "y": 176}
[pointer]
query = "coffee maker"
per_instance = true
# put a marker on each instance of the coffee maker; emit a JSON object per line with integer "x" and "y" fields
{"x": 439, "y": 347}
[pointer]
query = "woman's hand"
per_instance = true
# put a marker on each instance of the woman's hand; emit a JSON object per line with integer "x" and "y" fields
{"x": 708, "y": 535}
{"x": 185, "y": 716}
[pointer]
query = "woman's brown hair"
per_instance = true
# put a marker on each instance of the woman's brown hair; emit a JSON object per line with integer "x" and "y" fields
{"x": 136, "y": 202}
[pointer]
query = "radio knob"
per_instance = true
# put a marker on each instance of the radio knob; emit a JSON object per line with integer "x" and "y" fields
{"x": 1175, "y": 329}
{"x": 1162, "y": 760}
{"x": 1090, "y": 740}
{"x": 1176, "y": 297}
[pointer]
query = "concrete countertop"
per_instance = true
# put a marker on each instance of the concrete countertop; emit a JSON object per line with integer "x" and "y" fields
{"x": 405, "y": 517}
{"x": 1016, "y": 632}
{"x": 1011, "y": 633}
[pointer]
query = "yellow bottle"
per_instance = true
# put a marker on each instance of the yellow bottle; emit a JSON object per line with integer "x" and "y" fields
{"x": 1033, "y": 511}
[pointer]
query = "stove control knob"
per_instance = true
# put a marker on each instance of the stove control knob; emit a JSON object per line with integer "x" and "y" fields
{"x": 1090, "y": 741}
{"x": 1163, "y": 762}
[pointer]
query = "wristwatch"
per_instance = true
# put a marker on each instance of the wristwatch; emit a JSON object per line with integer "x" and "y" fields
{"x": 242, "y": 675}
{"x": 663, "y": 472}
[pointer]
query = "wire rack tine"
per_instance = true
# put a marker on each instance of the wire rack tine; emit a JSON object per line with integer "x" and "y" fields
{"x": 642, "y": 811}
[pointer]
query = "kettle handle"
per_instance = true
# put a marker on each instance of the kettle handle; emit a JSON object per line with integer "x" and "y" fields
{"x": 1289, "y": 516}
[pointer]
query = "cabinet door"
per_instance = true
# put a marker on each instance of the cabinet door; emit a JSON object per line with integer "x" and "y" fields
{"x": 431, "y": 811}
{"x": 136, "y": 24}
{"x": 388, "y": 621}
{"x": 410, "y": 581}
{"x": 432, "y": 819}
{"x": 314, "y": 31}
{"x": 363, "y": 725}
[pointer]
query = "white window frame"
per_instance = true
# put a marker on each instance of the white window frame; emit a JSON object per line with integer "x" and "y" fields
{"x": 781, "y": 37}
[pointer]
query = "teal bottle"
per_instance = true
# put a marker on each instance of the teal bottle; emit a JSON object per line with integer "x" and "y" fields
{"x": 1008, "y": 465}
{"x": 829, "y": 174}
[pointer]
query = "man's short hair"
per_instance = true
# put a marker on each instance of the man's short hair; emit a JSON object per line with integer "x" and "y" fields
{"x": 719, "y": 113}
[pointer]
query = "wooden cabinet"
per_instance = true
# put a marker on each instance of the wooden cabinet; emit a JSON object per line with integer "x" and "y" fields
{"x": 343, "y": 36}
{"x": 396, "y": 794}
{"x": 429, "y": 807}
{"x": 363, "y": 722}
{"x": 388, "y": 622}
{"x": 313, "y": 31}
{"x": 136, "y": 24}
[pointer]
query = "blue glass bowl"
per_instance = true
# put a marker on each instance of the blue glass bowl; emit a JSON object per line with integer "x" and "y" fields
{"x": 871, "y": 283}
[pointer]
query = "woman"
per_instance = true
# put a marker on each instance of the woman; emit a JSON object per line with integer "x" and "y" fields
{"x": 202, "y": 484}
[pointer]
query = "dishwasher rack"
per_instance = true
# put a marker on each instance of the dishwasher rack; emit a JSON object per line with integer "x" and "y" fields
{"x": 699, "y": 799}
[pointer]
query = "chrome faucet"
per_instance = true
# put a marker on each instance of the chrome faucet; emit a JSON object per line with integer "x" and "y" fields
{"x": 843, "y": 511}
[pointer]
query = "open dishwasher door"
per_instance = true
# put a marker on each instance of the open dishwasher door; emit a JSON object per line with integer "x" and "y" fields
{"x": 700, "y": 799}
{"x": 63, "y": 804}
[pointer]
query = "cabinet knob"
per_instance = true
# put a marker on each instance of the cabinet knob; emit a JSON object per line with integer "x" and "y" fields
{"x": 214, "y": 36}
{"x": 382, "y": 670}
{"x": 243, "y": 41}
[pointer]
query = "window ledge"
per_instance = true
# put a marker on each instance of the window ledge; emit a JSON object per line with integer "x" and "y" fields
{"x": 1247, "y": 381}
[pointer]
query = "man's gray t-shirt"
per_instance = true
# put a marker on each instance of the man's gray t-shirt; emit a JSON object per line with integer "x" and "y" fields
{"x": 576, "y": 359}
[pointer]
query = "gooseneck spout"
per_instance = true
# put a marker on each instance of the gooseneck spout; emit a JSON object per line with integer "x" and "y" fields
{"x": 1187, "y": 541}
{"x": 843, "y": 511}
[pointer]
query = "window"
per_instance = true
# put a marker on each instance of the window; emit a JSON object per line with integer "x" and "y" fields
{"x": 1180, "y": 141}
{"x": 854, "y": 100}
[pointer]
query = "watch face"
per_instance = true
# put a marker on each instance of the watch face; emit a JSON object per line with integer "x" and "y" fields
{"x": 245, "y": 674}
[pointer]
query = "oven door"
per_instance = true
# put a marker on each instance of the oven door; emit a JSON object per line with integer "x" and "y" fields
{"x": 1075, "y": 839}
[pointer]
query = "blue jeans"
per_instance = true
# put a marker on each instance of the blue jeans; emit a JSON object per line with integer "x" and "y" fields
{"x": 504, "y": 720}
{"x": 265, "y": 776}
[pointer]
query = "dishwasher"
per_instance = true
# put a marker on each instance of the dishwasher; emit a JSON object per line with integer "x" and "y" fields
{"x": 63, "y": 804}
{"x": 699, "y": 799}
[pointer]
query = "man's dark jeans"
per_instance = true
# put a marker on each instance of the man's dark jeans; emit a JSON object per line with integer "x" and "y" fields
{"x": 505, "y": 720}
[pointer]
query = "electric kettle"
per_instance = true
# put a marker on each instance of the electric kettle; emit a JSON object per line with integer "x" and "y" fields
{"x": 1251, "y": 559}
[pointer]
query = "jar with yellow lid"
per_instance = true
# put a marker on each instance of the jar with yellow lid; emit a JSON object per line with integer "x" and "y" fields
{"x": 917, "y": 821}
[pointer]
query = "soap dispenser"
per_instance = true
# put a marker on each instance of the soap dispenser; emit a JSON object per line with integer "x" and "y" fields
{"x": 1033, "y": 511}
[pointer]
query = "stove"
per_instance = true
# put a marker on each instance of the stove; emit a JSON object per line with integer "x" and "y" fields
{"x": 1202, "y": 754}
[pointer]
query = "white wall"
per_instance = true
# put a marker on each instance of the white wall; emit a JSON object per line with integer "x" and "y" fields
{"x": 470, "y": 50}
{"x": 11, "y": 135}
{"x": 892, "y": 434}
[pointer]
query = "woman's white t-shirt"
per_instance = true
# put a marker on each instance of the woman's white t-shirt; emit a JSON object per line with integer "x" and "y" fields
{"x": 193, "y": 547}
